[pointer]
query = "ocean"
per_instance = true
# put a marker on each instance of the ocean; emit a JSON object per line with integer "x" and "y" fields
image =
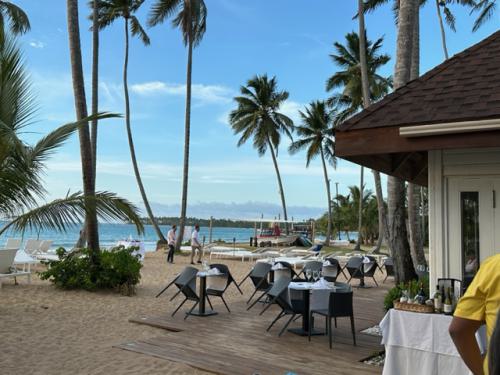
{"x": 109, "y": 234}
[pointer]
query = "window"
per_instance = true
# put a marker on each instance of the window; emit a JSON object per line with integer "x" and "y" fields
{"x": 469, "y": 207}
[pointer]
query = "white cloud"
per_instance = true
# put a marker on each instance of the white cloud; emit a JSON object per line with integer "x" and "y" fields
{"x": 291, "y": 109}
{"x": 206, "y": 94}
{"x": 37, "y": 44}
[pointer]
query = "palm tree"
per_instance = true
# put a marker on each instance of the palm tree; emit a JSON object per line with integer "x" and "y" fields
{"x": 110, "y": 11}
{"x": 95, "y": 81}
{"x": 317, "y": 136}
{"x": 399, "y": 245}
{"x": 191, "y": 19}
{"x": 22, "y": 165}
{"x": 486, "y": 8}
{"x": 88, "y": 176}
{"x": 349, "y": 79}
{"x": 258, "y": 116}
{"x": 17, "y": 19}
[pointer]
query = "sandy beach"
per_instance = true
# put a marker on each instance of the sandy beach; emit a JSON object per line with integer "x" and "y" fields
{"x": 46, "y": 330}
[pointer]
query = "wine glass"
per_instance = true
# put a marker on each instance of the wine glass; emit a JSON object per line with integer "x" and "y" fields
{"x": 315, "y": 275}
{"x": 308, "y": 275}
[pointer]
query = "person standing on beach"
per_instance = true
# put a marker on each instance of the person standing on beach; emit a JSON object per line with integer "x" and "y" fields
{"x": 195, "y": 243}
{"x": 171, "y": 243}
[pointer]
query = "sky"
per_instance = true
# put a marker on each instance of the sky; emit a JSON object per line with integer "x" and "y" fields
{"x": 282, "y": 38}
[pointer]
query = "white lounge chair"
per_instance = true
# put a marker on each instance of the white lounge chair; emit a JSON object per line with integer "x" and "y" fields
{"x": 32, "y": 247}
{"x": 13, "y": 243}
{"x": 7, "y": 268}
{"x": 43, "y": 251}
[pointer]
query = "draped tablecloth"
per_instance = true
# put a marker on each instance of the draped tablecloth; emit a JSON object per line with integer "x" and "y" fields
{"x": 134, "y": 243}
{"x": 417, "y": 343}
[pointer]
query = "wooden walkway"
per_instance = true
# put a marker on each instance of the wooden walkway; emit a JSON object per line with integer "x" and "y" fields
{"x": 238, "y": 343}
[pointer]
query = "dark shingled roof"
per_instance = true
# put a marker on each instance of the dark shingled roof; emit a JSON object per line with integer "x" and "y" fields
{"x": 463, "y": 88}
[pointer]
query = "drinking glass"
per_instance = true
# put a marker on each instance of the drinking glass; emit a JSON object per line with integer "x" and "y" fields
{"x": 205, "y": 265}
{"x": 315, "y": 275}
{"x": 308, "y": 275}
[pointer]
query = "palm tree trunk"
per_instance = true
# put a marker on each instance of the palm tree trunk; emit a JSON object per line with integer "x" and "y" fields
{"x": 360, "y": 208}
{"x": 413, "y": 191}
{"x": 443, "y": 33}
{"x": 131, "y": 141}
{"x": 383, "y": 230}
{"x": 187, "y": 131}
{"x": 95, "y": 84}
{"x": 404, "y": 270}
{"x": 280, "y": 185}
{"x": 327, "y": 182}
{"x": 92, "y": 231}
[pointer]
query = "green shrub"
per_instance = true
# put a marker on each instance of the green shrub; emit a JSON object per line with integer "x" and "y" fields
{"x": 118, "y": 269}
{"x": 412, "y": 287}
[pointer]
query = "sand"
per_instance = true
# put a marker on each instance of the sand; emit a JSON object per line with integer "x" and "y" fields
{"x": 46, "y": 330}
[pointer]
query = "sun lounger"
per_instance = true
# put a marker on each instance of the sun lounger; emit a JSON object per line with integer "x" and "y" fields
{"x": 7, "y": 269}
{"x": 32, "y": 247}
{"x": 13, "y": 243}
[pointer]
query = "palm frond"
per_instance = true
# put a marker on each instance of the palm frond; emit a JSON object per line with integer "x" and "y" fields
{"x": 486, "y": 9}
{"x": 137, "y": 30}
{"x": 18, "y": 20}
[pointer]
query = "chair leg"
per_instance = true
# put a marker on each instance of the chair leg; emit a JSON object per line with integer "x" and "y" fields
{"x": 310, "y": 326}
{"x": 175, "y": 295}
{"x": 238, "y": 287}
{"x": 353, "y": 330}
{"x": 257, "y": 300}
{"x": 386, "y": 276}
{"x": 163, "y": 290}
{"x": 191, "y": 310}
{"x": 375, "y": 281}
{"x": 281, "y": 314}
{"x": 177, "y": 309}
{"x": 210, "y": 303}
{"x": 242, "y": 281}
{"x": 297, "y": 317}
{"x": 225, "y": 304}
{"x": 330, "y": 331}
{"x": 265, "y": 308}
{"x": 286, "y": 325}
{"x": 253, "y": 294}
{"x": 335, "y": 322}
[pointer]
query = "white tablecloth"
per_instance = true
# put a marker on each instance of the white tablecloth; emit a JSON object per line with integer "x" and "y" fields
{"x": 417, "y": 343}
{"x": 142, "y": 249}
{"x": 320, "y": 293}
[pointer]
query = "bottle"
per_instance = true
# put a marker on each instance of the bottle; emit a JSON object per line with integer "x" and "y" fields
{"x": 421, "y": 297}
{"x": 448, "y": 307}
{"x": 438, "y": 302}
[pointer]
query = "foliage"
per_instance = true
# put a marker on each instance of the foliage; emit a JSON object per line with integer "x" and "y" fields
{"x": 118, "y": 269}
{"x": 17, "y": 19}
{"x": 412, "y": 287}
{"x": 486, "y": 8}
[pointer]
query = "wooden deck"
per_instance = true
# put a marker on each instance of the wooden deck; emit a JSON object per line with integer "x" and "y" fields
{"x": 238, "y": 343}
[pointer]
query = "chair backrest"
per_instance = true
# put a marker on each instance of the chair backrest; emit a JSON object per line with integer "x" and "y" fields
{"x": 340, "y": 304}
{"x": 389, "y": 266}
{"x": 331, "y": 272}
{"x": 225, "y": 270}
{"x": 186, "y": 282}
{"x": 312, "y": 265}
{"x": 45, "y": 246}
{"x": 370, "y": 268}
{"x": 32, "y": 246}
{"x": 259, "y": 273}
{"x": 288, "y": 267}
{"x": 219, "y": 282}
{"x": 342, "y": 287}
{"x": 354, "y": 266}
{"x": 454, "y": 284}
{"x": 279, "y": 293}
{"x": 13, "y": 243}
{"x": 7, "y": 257}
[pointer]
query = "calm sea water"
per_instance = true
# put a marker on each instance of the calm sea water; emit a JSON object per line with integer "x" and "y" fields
{"x": 109, "y": 234}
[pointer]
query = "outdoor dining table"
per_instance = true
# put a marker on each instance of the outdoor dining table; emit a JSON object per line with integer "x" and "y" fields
{"x": 322, "y": 288}
{"x": 202, "y": 310}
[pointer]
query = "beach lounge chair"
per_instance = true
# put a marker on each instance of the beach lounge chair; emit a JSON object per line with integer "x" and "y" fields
{"x": 32, "y": 247}
{"x": 7, "y": 269}
{"x": 217, "y": 284}
{"x": 43, "y": 251}
{"x": 13, "y": 243}
{"x": 339, "y": 305}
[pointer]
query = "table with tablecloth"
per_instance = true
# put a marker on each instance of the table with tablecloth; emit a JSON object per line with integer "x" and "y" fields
{"x": 417, "y": 343}
{"x": 134, "y": 243}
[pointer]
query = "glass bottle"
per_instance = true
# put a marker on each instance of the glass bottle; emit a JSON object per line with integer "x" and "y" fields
{"x": 421, "y": 297}
{"x": 438, "y": 301}
{"x": 448, "y": 306}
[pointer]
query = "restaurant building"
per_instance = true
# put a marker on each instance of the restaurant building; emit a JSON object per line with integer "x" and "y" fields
{"x": 442, "y": 131}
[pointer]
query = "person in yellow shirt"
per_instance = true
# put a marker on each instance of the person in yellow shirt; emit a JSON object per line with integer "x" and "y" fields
{"x": 478, "y": 306}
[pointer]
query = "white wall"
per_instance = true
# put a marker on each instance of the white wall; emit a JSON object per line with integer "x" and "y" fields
{"x": 450, "y": 171}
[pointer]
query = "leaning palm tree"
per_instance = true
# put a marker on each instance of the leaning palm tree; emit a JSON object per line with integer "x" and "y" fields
{"x": 316, "y": 135}
{"x": 191, "y": 19}
{"x": 110, "y": 11}
{"x": 486, "y": 8}
{"x": 17, "y": 19}
{"x": 22, "y": 165}
{"x": 258, "y": 116}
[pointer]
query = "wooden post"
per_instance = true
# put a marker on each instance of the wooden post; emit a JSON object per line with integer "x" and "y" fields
{"x": 255, "y": 233}
{"x": 313, "y": 231}
{"x": 210, "y": 231}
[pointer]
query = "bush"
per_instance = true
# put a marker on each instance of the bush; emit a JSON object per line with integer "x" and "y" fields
{"x": 412, "y": 287}
{"x": 118, "y": 269}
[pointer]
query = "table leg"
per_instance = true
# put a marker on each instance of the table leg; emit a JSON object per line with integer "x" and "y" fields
{"x": 304, "y": 330}
{"x": 202, "y": 310}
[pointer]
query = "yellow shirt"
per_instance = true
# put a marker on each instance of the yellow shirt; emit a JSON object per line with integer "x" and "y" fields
{"x": 481, "y": 301}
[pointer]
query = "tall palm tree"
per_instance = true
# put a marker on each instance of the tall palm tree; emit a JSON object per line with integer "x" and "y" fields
{"x": 258, "y": 116}
{"x": 17, "y": 19}
{"x": 110, "y": 11}
{"x": 349, "y": 79}
{"x": 486, "y": 8}
{"x": 22, "y": 165}
{"x": 191, "y": 19}
{"x": 88, "y": 177}
{"x": 316, "y": 135}
{"x": 399, "y": 245}
{"x": 95, "y": 81}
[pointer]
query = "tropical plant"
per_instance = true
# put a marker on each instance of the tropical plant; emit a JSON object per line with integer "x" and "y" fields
{"x": 258, "y": 116}
{"x": 191, "y": 19}
{"x": 486, "y": 8}
{"x": 348, "y": 78}
{"x": 110, "y": 11}
{"x": 16, "y": 18}
{"x": 22, "y": 165}
{"x": 316, "y": 135}
{"x": 91, "y": 226}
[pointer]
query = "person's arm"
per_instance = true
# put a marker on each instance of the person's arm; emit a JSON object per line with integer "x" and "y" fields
{"x": 463, "y": 334}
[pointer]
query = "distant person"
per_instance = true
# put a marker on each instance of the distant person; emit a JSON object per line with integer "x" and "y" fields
{"x": 494, "y": 351}
{"x": 277, "y": 230}
{"x": 479, "y": 305}
{"x": 195, "y": 243}
{"x": 171, "y": 243}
